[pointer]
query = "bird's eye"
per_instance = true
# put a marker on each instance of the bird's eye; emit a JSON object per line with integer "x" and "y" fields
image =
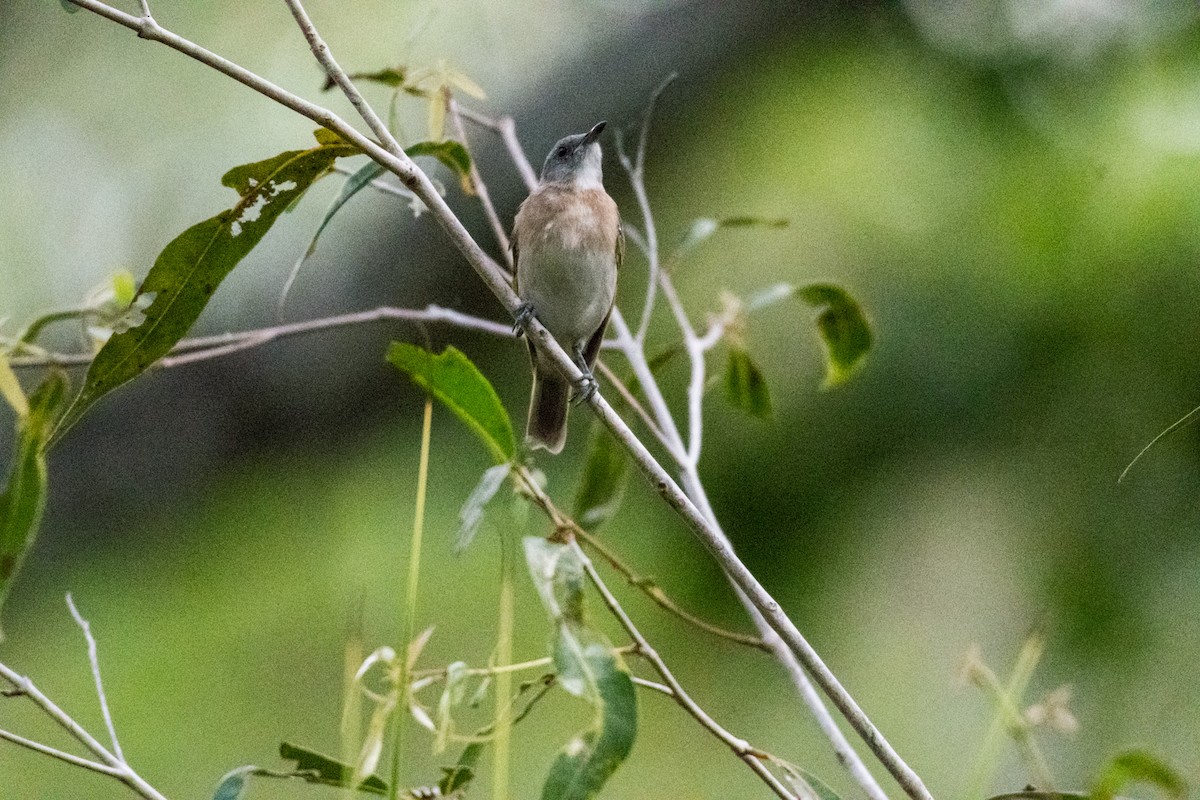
{"x": 562, "y": 151}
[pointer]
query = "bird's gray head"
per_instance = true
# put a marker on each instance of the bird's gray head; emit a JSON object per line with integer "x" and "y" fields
{"x": 575, "y": 160}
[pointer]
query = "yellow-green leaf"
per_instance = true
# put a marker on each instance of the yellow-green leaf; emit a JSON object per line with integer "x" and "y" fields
{"x": 24, "y": 498}
{"x": 10, "y": 388}
{"x": 1138, "y": 766}
{"x": 843, "y": 328}
{"x": 605, "y": 476}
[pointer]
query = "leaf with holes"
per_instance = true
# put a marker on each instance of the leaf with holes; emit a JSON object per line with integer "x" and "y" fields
{"x": 24, "y": 498}
{"x": 453, "y": 379}
{"x": 189, "y": 269}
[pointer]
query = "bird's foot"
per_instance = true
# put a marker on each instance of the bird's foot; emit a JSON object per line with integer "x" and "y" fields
{"x": 585, "y": 388}
{"x": 521, "y": 319}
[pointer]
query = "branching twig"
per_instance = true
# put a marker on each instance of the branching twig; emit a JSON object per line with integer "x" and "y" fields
{"x": 110, "y": 763}
{"x": 687, "y": 505}
{"x": 750, "y": 755}
{"x": 565, "y": 524}
{"x": 655, "y": 593}
{"x": 201, "y": 348}
{"x": 485, "y": 199}
{"x": 94, "y": 660}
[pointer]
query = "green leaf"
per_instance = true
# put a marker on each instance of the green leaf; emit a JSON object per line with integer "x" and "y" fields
{"x": 327, "y": 771}
{"x": 388, "y": 76}
{"x": 24, "y": 498}
{"x": 705, "y": 227}
{"x": 453, "y": 379}
{"x": 188, "y": 271}
{"x": 587, "y": 667}
{"x": 233, "y": 785}
{"x": 745, "y": 386}
{"x": 353, "y": 185}
{"x": 589, "y": 759}
{"x": 605, "y": 476}
{"x": 843, "y": 328}
{"x": 452, "y": 154}
{"x": 1138, "y": 766}
{"x": 471, "y": 514}
{"x": 805, "y": 783}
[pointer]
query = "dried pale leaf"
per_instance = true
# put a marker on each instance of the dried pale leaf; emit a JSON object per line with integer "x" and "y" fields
{"x": 471, "y": 514}
{"x": 10, "y": 388}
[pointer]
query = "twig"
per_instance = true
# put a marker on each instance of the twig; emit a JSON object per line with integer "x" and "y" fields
{"x": 485, "y": 199}
{"x": 741, "y": 748}
{"x": 641, "y": 647}
{"x": 507, "y": 129}
{"x": 786, "y": 652}
{"x": 496, "y": 279}
{"x": 200, "y": 348}
{"x": 115, "y": 767}
{"x": 656, "y": 594}
{"x": 637, "y": 169}
{"x": 325, "y": 57}
{"x": 46, "y": 750}
{"x": 94, "y": 660}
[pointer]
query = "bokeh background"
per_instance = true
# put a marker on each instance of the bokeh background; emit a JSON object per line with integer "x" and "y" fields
{"x": 1008, "y": 186}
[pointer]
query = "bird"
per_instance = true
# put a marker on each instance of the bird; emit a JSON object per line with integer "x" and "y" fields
{"x": 567, "y": 247}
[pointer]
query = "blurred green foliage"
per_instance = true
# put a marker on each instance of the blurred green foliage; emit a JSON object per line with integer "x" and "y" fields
{"x": 1020, "y": 222}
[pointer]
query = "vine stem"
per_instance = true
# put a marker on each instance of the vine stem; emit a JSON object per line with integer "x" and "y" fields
{"x": 388, "y": 154}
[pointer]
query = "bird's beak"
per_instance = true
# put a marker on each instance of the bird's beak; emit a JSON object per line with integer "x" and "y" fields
{"x": 594, "y": 133}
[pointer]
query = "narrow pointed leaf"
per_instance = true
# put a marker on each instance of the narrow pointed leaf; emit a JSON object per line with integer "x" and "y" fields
{"x": 24, "y": 497}
{"x": 471, "y": 514}
{"x": 389, "y": 76}
{"x": 705, "y": 227}
{"x": 745, "y": 386}
{"x": 455, "y": 381}
{"x": 325, "y": 770}
{"x": 362, "y": 177}
{"x": 1138, "y": 766}
{"x": 843, "y": 328}
{"x": 605, "y": 476}
{"x": 806, "y": 784}
{"x": 188, "y": 271}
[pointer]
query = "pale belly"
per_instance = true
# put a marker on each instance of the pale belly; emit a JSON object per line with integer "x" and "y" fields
{"x": 571, "y": 289}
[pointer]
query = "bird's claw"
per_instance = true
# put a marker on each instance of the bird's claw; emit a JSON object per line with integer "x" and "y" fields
{"x": 585, "y": 389}
{"x": 521, "y": 318}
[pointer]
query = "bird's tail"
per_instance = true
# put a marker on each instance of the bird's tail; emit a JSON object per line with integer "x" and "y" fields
{"x": 548, "y": 404}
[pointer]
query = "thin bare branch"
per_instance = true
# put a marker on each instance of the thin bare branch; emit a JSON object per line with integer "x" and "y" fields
{"x": 46, "y": 750}
{"x": 485, "y": 199}
{"x": 325, "y": 57}
{"x": 741, "y": 748}
{"x": 201, "y": 348}
{"x": 655, "y": 593}
{"x": 507, "y": 129}
{"x": 496, "y": 279}
{"x": 94, "y": 661}
{"x": 114, "y": 766}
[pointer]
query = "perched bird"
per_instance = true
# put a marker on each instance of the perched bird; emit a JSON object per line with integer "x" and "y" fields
{"x": 567, "y": 245}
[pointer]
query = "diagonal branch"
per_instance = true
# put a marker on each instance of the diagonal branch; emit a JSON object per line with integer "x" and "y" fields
{"x": 496, "y": 279}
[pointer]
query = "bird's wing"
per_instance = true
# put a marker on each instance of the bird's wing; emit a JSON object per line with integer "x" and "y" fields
{"x": 620, "y": 245}
{"x": 516, "y": 254}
